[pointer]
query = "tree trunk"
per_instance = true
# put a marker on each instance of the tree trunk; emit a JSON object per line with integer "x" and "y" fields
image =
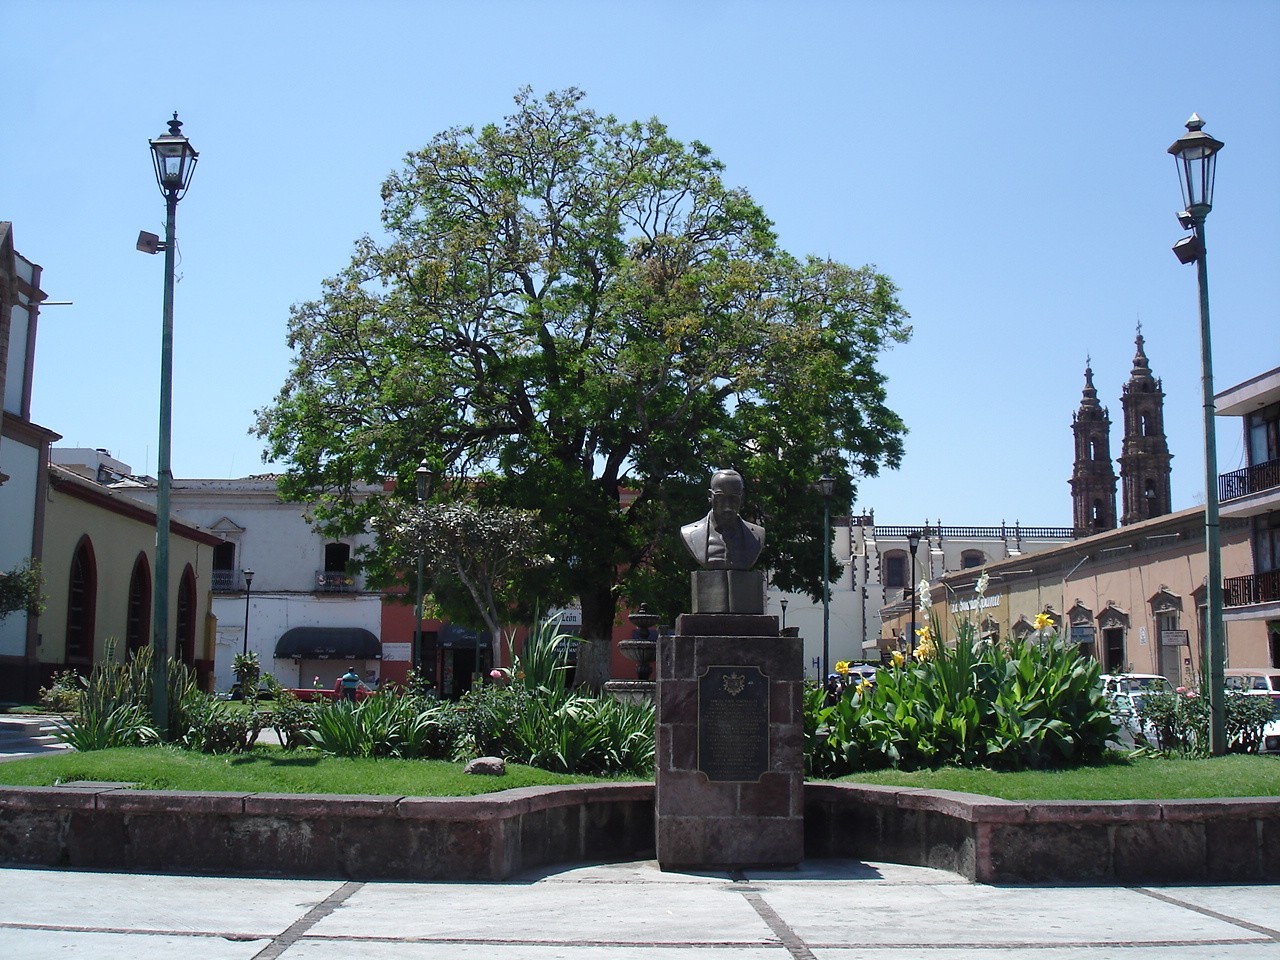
{"x": 595, "y": 657}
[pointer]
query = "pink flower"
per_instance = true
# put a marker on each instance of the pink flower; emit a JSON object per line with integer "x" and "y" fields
{"x": 1182, "y": 690}
{"x": 495, "y": 674}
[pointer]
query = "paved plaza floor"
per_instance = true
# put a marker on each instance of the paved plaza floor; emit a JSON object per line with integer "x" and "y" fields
{"x": 827, "y": 910}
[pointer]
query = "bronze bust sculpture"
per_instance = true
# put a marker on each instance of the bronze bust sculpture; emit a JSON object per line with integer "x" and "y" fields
{"x": 722, "y": 540}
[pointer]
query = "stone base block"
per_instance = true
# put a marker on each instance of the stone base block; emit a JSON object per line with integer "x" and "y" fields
{"x": 728, "y": 591}
{"x": 730, "y": 750}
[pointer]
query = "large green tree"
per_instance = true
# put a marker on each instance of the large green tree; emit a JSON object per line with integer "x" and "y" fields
{"x": 574, "y": 314}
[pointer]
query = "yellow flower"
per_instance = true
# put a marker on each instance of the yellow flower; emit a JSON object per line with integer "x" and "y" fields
{"x": 1042, "y": 622}
{"x": 863, "y": 685}
{"x": 925, "y": 650}
{"x": 842, "y": 667}
{"x": 897, "y": 659}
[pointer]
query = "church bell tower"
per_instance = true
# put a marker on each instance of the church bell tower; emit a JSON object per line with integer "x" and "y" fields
{"x": 1093, "y": 480}
{"x": 1144, "y": 457}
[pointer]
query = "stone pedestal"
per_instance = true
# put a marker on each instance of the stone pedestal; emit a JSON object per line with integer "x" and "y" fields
{"x": 730, "y": 750}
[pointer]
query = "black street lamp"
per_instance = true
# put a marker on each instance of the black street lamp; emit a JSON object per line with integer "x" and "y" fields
{"x": 783, "y": 604}
{"x": 248, "y": 589}
{"x": 826, "y": 485}
{"x": 1196, "y": 154}
{"x": 913, "y": 544}
{"x": 175, "y": 162}
{"x": 422, "y": 480}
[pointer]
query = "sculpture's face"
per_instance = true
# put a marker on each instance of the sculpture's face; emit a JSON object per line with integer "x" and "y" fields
{"x": 726, "y": 499}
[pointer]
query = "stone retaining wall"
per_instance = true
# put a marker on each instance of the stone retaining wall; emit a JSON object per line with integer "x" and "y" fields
{"x": 495, "y": 836}
{"x": 1006, "y": 841}
{"x": 489, "y": 837}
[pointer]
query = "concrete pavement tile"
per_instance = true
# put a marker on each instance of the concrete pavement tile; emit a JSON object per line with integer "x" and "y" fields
{"x": 1255, "y": 904}
{"x": 645, "y": 871}
{"x": 1200, "y": 951}
{"x": 854, "y": 871}
{"x": 346, "y": 950}
{"x": 123, "y": 901}
{"x": 631, "y": 913}
{"x": 975, "y": 914}
{"x": 76, "y": 945}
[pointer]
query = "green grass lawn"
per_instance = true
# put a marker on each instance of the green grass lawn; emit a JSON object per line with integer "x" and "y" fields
{"x": 1122, "y": 778}
{"x": 270, "y": 770}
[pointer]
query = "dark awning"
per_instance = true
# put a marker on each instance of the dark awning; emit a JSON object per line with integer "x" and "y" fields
{"x": 328, "y": 643}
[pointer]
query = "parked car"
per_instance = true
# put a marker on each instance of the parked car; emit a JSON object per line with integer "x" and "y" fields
{"x": 1270, "y": 739}
{"x": 1253, "y": 678}
{"x": 1124, "y": 693}
{"x": 1131, "y": 683}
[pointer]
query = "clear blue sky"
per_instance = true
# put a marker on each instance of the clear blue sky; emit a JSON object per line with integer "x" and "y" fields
{"x": 1004, "y": 162}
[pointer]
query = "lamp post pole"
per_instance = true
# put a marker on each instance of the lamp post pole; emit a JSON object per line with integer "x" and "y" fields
{"x": 248, "y": 589}
{"x": 175, "y": 161}
{"x": 783, "y": 604}
{"x": 422, "y": 478}
{"x": 1196, "y": 156}
{"x": 825, "y": 486}
{"x": 913, "y": 544}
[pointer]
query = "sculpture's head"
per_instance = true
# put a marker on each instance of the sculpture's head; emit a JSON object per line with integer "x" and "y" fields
{"x": 726, "y": 495}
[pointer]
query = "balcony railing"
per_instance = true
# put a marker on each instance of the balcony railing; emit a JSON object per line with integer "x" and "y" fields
{"x": 329, "y": 581}
{"x": 1241, "y": 483}
{"x": 228, "y": 581}
{"x": 1003, "y": 532}
{"x": 1255, "y": 588}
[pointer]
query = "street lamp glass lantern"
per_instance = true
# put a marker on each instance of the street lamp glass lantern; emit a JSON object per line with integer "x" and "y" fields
{"x": 1196, "y": 155}
{"x": 248, "y": 578}
{"x": 422, "y": 478}
{"x": 913, "y": 541}
{"x": 826, "y": 485}
{"x": 175, "y": 160}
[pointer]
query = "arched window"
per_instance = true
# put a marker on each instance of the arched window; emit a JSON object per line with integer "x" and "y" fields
{"x": 185, "y": 625}
{"x": 82, "y": 603}
{"x": 138, "y": 625}
{"x": 972, "y": 558}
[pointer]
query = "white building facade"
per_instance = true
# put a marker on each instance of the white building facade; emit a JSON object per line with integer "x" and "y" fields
{"x": 880, "y": 569}
{"x": 282, "y": 589}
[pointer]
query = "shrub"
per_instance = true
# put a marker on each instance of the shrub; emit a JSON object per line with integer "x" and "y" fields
{"x": 121, "y": 725}
{"x": 63, "y": 693}
{"x": 1181, "y": 720}
{"x": 214, "y": 726}
{"x": 1024, "y": 704}
{"x": 115, "y": 702}
{"x": 383, "y": 725}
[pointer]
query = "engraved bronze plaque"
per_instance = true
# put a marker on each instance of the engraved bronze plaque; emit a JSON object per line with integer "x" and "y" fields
{"x": 733, "y": 724}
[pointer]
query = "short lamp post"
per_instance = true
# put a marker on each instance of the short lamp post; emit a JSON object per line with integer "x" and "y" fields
{"x": 175, "y": 162}
{"x": 1196, "y": 154}
{"x": 783, "y": 604}
{"x": 422, "y": 478}
{"x": 913, "y": 544}
{"x": 248, "y": 590}
{"x": 826, "y": 486}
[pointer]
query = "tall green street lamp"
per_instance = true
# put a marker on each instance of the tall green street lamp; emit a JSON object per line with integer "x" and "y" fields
{"x": 422, "y": 479}
{"x": 1196, "y": 154}
{"x": 826, "y": 486}
{"x": 175, "y": 162}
